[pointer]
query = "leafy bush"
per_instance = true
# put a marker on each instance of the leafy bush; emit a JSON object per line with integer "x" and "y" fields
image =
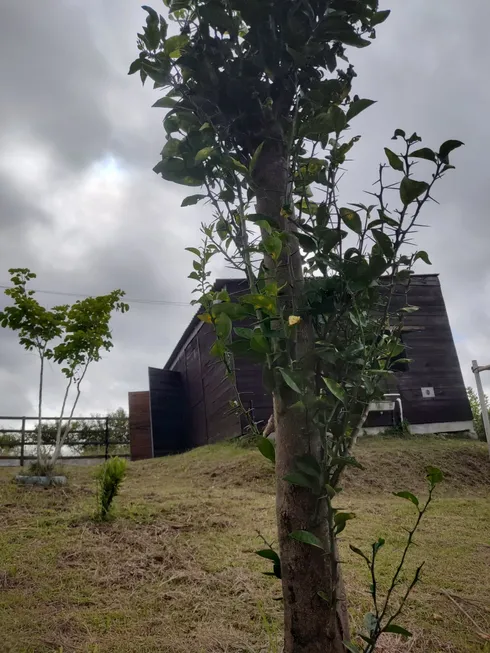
{"x": 477, "y": 413}
{"x": 109, "y": 479}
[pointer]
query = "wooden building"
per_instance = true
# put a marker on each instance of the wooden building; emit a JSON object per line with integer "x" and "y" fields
{"x": 188, "y": 401}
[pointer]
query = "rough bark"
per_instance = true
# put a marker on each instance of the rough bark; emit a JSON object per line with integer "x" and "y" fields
{"x": 40, "y": 460}
{"x": 311, "y": 625}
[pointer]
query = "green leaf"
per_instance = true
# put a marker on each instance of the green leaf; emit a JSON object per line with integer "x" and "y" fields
{"x": 260, "y": 301}
{"x": 337, "y": 118}
{"x": 357, "y": 106}
{"x": 234, "y": 310}
{"x": 193, "y": 250}
{"x": 398, "y": 132}
{"x": 268, "y": 554}
{"x": 174, "y": 169}
{"x": 358, "y": 552}
{"x": 227, "y": 195}
{"x": 303, "y": 480}
{"x": 217, "y": 17}
{"x": 176, "y": 5}
{"x": 204, "y": 154}
{"x": 273, "y": 246}
{"x": 377, "y": 545}
{"x": 307, "y": 538}
{"x": 308, "y": 464}
{"x": 394, "y": 160}
{"x": 165, "y": 103}
{"x": 409, "y": 496}
{"x": 306, "y": 242}
{"x": 384, "y": 242}
{"x": 242, "y": 332}
{"x": 351, "y": 647}
{"x": 410, "y": 189}
{"x": 351, "y": 219}
{"x": 380, "y": 17}
{"x": 267, "y": 449}
{"x": 259, "y": 343}
{"x": 223, "y": 326}
{"x": 218, "y": 349}
{"x": 424, "y": 153}
{"x": 192, "y": 199}
{"x": 289, "y": 380}
{"x": 134, "y": 67}
{"x": 175, "y": 44}
{"x": 423, "y": 256}
{"x": 370, "y": 622}
{"x": 323, "y": 595}
{"x": 341, "y": 519}
{"x": 239, "y": 167}
{"x": 171, "y": 148}
{"x": 414, "y": 138}
{"x": 393, "y": 628}
{"x": 335, "y": 388}
{"x": 434, "y": 475}
{"x": 255, "y": 157}
{"x": 447, "y": 147}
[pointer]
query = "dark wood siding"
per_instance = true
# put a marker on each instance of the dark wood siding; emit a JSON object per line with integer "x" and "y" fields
{"x": 208, "y": 389}
{"x": 430, "y": 345}
{"x": 207, "y": 392}
{"x": 169, "y": 412}
{"x": 434, "y": 361}
{"x": 139, "y": 425}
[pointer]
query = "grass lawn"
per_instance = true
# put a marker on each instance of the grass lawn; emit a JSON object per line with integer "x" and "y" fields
{"x": 176, "y": 572}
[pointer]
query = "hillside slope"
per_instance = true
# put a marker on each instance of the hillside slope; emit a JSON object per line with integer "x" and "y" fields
{"x": 176, "y": 571}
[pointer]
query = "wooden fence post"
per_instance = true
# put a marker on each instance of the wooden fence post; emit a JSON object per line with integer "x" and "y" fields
{"x": 22, "y": 441}
{"x": 107, "y": 437}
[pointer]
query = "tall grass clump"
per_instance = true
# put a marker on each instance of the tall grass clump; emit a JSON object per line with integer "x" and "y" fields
{"x": 109, "y": 479}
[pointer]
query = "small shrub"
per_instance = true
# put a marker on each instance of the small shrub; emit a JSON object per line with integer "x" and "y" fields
{"x": 109, "y": 477}
{"x": 401, "y": 430}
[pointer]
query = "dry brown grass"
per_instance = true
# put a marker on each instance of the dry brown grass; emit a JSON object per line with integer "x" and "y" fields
{"x": 176, "y": 573}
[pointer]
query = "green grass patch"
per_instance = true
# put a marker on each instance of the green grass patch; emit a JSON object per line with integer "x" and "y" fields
{"x": 175, "y": 572}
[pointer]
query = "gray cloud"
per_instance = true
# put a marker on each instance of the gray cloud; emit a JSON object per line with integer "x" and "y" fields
{"x": 80, "y": 205}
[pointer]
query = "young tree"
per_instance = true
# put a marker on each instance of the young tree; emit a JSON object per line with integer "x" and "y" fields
{"x": 73, "y": 336}
{"x": 37, "y": 328}
{"x": 260, "y": 105}
{"x": 87, "y": 335}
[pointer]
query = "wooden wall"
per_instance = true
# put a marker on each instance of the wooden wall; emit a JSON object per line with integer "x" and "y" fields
{"x": 169, "y": 412}
{"x": 429, "y": 343}
{"x": 208, "y": 390}
{"x": 139, "y": 425}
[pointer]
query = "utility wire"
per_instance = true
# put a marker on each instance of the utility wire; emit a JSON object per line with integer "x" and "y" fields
{"x": 153, "y": 302}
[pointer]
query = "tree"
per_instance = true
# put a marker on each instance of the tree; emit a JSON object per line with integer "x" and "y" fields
{"x": 476, "y": 410}
{"x": 37, "y": 328}
{"x": 72, "y": 336}
{"x": 260, "y": 104}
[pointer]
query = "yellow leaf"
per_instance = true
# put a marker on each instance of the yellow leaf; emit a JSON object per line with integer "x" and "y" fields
{"x": 294, "y": 319}
{"x": 205, "y": 317}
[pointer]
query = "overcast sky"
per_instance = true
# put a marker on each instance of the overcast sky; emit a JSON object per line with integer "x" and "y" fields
{"x": 80, "y": 205}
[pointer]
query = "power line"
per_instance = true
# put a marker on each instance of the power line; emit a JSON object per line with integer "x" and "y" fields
{"x": 152, "y": 302}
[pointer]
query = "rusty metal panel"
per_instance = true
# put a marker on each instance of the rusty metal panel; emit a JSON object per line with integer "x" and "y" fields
{"x": 139, "y": 425}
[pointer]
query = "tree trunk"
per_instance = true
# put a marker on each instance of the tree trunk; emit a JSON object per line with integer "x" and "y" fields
{"x": 40, "y": 460}
{"x": 311, "y": 624}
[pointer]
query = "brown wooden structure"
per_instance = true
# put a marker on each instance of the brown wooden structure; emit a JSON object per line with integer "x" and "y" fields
{"x": 188, "y": 402}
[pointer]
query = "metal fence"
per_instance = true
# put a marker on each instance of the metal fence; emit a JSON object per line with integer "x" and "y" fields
{"x": 110, "y": 436}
